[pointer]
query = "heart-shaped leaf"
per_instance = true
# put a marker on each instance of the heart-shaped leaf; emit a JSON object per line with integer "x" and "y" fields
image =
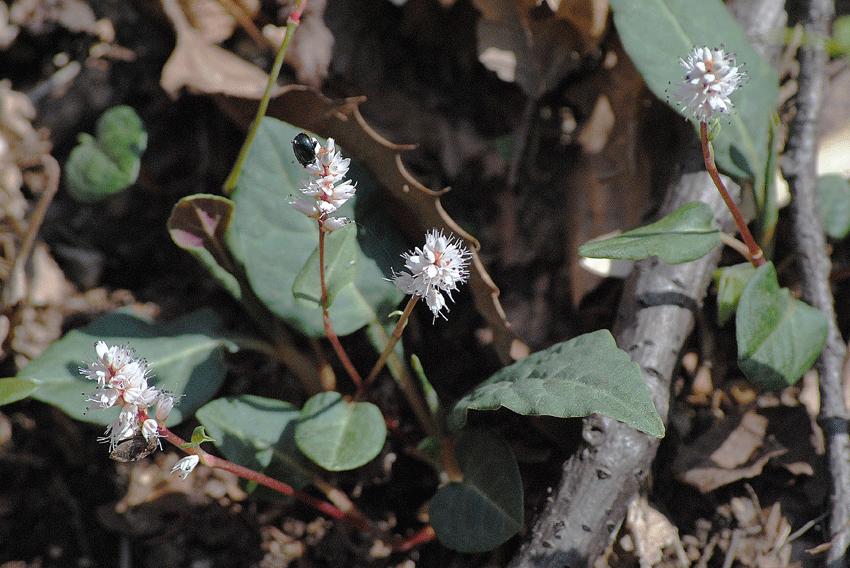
{"x": 582, "y": 376}
{"x": 340, "y": 268}
{"x": 656, "y": 33}
{"x": 185, "y": 357}
{"x": 684, "y": 235}
{"x": 273, "y": 241}
{"x": 485, "y": 509}
{"x": 731, "y": 281}
{"x": 834, "y": 194}
{"x": 779, "y": 337}
{"x": 103, "y": 166}
{"x": 258, "y": 433}
{"x": 199, "y": 223}
{"x": 340, "y": 435}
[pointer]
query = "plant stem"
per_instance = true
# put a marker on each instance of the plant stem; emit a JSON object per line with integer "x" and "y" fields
{"x": 291, "y": 25}
{"x": 394, "y": 338}
{"x": 326, "y": 318}
{"x": 407, "y": 386}
{"x": 18, "y": 264}
{"x": 756, "y": 254}
{"x": 352, "y": 516}
{"x": 734, "y": 243}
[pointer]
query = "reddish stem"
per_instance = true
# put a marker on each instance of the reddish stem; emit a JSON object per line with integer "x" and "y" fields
{"x": 394, "y": 338}
{"x": 326, "y": 317}
{"x": 756, "y": 254}
{"x": 352, "y": 517}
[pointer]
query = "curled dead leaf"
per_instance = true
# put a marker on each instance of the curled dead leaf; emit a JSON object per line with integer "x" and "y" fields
{"x": 212, "y": 20}
{"x": 202, "y": 66}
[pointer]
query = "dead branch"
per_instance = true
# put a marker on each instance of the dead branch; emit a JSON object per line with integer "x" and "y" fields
{"x": 799, "y": 167}
{"x": 655, "y": 317}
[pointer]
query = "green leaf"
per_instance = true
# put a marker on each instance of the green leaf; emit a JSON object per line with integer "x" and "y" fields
{"x": 766, "y": 194}
{"x": 834, "y": 194}
{"x": 731, "y": 281}
{"x": 682, "y": 236}
{"x": 582, "y": 376}
{"x": 13, "y": 389}
{"x": 340, "y": 435}
{"x": 103, "y": 166}
{"x": 184, "y": 357}
{"x": 340, "y": 268}
{"x": 199, "y": 436}
{"x": 258, "y": 433}
{"x": 431, "y": 398}
{"x": 656, "y": 33}
{"x": 839, "y": 44}
{"x": 486, "y": 508}
{"x": 273, "y": 241}
{"x": 779, "y": 337}
{"x": 198, "y": 224}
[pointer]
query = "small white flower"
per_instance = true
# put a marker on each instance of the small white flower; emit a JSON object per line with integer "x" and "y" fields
{"x": 122, "y": 380}
{"x": 150, "y": 429}
{"x": 334, "y": 223}
{"x": 306, "y": 206}
{"x": 710, "y": 77}
{"x": 437, "y": 267}
{"x": 328, "y": 190}
{"x": 185, "y": 466}
{"x": 163, "y": 408}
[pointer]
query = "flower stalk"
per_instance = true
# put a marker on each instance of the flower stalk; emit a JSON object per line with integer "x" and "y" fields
{"x": 328, "y": 322}
{"x": 756, "y": 255}
{"x": 351, "y": 515}
{"x": 711, "y": 76}
{"x": 291, "y": 25}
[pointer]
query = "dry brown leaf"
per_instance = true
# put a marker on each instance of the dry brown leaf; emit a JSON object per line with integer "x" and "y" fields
{"x": 545, "y": 50}
{"x": 651, "y": 533}
{"x": 74, "y": 15}
{"x": 8, "y": 32}
{"x": 341, "y": 120}
{"x": 588, "y": 17}
{"x": 730, "y": 450}
{"x": 311, "y": 49}
{"x": 211, "y": 20}
{"x": 48, "y": 285}
{"x": 594, "y": 134}
{"x": 609, "y": 184}
{"x": 202, "y": 66}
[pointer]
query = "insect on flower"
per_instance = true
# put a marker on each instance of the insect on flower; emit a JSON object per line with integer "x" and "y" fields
{"x": 304, "y": 148}
{"x": 134, "y": 449}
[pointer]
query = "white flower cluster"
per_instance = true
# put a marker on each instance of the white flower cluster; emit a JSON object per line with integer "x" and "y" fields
{"x": 710, "y": 77}
{"x": 328, "y": 189}
{"x": 437, "y": 267}
{"x": 122, "y": 380}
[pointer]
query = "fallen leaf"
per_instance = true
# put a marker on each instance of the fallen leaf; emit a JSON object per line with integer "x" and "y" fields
{"x": 205, "y": 67}
{"x": 312, "y": 47}
{"x": 651, "y": 533}
{"x": 211, "y": 20}
{"x": 732, "y": 449}
{"x": 545, "y": 49}
{"x": 588, "y": 17}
